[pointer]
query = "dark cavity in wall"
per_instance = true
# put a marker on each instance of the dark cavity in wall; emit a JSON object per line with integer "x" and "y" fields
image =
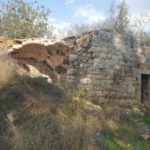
{"x": 145, "y": 87}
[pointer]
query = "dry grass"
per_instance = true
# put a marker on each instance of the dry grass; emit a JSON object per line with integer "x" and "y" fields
{"x": 45, "y": 124}
{"x": 7, "y": 67}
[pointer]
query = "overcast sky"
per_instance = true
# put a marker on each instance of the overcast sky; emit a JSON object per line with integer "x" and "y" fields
{"x": 82, "y": 11}
{"x": 89, "y": 11}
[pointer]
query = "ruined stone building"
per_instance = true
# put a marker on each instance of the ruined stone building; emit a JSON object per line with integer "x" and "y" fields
{"x": 112, "y": 67}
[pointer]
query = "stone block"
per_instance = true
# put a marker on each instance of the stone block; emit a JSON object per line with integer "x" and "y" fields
{"x": 85, "y": 81}
{"x": 72, "y": 58}
{"x": 71, "y": 71}
{"x": 98, "y": 66}
{"x": 99, "y": 93}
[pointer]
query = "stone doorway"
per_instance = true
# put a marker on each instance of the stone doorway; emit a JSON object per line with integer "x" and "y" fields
{"x": 145, "y": 87}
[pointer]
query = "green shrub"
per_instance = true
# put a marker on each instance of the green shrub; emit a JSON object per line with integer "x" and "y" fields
{"x": 19, "y": 19}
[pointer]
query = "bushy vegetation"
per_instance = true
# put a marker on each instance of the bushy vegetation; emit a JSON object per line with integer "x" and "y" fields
{"x": 19, "y": 19}
{"x": 119, "y": 17}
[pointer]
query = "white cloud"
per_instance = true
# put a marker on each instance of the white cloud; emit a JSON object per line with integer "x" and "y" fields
{"x": 89, "y": 14}
{"x": 68, "y": 2}
{"x": 60, "y": 28}
{"x": 138, "y": 6}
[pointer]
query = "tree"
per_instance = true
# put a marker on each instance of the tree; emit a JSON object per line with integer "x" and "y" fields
{"x": 119, "y": 16}
{"x": 19, "y": 19}
{"x": 140, "y": 23}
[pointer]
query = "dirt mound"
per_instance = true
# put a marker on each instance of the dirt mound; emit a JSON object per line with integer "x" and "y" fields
{"x": 7, "y": 42}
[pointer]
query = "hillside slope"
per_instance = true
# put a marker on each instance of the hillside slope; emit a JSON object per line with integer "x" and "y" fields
{"x": 40, "y": 114}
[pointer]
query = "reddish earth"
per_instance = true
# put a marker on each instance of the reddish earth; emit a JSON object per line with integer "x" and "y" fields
{"x": 7, "y": 42}
{"x": 51, "y": 60}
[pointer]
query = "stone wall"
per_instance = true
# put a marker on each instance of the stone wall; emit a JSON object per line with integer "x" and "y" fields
{"x": 109, "y": 67}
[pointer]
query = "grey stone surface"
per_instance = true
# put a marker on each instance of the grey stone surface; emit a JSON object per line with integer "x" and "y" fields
{"x": 113, "y": 70}
{"x": 72, "y": 58}
{"x": 71, "y": 71}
